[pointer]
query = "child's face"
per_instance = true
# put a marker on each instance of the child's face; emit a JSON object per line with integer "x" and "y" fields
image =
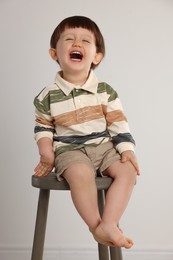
{"x": 76, "y": 50}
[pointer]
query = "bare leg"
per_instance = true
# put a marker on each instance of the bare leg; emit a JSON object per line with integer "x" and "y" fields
{"x": 81, "y": 179}
{"x": 117, "y": 198}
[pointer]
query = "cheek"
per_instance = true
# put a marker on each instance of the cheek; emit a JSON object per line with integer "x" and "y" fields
{"x": 94, "y": 51}
{"x": 59, "y": 46}
{"x": 93, "y": 56}
{"x": 60, "y": 52}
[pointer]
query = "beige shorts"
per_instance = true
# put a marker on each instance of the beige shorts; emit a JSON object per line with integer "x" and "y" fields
{"x": 98, "y": 158}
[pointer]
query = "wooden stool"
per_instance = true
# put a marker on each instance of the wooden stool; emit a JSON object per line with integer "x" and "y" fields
{"x": 45, "y": 184}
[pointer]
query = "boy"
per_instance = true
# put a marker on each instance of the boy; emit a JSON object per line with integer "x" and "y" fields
{"x": 81, "y": 129}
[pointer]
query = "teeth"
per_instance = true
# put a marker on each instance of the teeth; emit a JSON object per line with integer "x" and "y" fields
{"x": 76, "y": 52}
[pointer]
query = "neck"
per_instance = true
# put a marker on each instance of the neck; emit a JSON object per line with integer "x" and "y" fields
{"x": 76, "y": 79}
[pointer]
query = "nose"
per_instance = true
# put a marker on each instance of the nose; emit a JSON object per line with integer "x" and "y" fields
{"x": 77, "y": 43}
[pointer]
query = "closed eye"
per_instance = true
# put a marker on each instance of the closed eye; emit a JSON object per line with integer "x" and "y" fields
{"x": 69, "y": 39}
{"x": 86, "y": 41}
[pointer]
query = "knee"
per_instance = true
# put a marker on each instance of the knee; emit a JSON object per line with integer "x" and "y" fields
{"x": 124, "y": 172}
{"x": 128, "y": 173}
{"x": 79, "y": 173}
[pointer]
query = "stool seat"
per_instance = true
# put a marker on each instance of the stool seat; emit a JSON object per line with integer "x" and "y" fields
{"x": 50, "y": 182}
{"x": 45, "y": 185}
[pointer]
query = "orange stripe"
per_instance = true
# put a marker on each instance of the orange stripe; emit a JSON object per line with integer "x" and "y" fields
{"x": 115, "y": 116}
{"x": 104, "y": 108}
{"x": 79, "y": 116}
{"x": 43, "y": 121}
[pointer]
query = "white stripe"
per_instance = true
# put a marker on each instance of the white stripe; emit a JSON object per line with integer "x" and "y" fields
{"x": 114, "y": 105}
{"x": 85, "y": 128}
{"x": 118, "y": 127}
{"x": 76, "y": 103}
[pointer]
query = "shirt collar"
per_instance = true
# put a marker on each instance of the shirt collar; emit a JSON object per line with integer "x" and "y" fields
{"x": 90, "y": 85}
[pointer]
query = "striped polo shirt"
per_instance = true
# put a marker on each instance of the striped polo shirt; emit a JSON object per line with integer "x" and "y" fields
{"x": 77, "y": 116}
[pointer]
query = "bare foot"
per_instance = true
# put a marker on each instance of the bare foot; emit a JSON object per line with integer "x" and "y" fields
{"x": 111, "y": 236}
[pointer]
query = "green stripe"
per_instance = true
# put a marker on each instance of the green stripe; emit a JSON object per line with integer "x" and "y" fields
{"x": 101, "y": 88}
{"x": 67, "y": 148}
{"x": 80, "y": 92}
{"x": 104, "y": 87}
{"x": 72, "y": 147}
{"x": 58, "y": 96}
{"x": 43, "y": 106}
{"x": 113, "y": 94}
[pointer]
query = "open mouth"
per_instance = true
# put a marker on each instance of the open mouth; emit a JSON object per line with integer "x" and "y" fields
{"x": 76, "y": 55}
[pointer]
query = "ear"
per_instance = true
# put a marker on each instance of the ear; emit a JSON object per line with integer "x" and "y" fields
{"x": 53, "y": 55}
{"x": 98, "y": 58}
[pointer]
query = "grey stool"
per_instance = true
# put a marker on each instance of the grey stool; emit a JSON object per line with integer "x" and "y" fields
{"x": 45, "y": 184}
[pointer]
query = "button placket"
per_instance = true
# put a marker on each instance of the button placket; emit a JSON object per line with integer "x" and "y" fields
{"x": 77, "y": 103}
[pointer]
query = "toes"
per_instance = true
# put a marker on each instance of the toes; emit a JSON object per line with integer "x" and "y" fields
{"x": 129, "y": 243}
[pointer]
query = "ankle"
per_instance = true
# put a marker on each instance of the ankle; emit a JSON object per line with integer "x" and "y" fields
{"x": 94, "y": 227}
{"x": 108, "y": 224}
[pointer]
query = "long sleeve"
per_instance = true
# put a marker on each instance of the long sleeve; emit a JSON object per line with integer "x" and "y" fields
{"x": 117, "y": 123}
{"x": 44, "y": 126}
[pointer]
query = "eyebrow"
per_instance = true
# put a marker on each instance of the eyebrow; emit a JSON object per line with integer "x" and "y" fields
{"x": 89, "y": 35}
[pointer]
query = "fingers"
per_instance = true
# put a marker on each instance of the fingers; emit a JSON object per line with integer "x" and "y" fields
{"x": 131, "y": 158}
{"x": 135, "y": 164}
{"x": 123, "y": 158}
{"x": 136, "y": 167}
{"x": 42, "y": 169}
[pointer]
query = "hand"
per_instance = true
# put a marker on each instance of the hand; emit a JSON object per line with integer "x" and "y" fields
{"x": 131, "y": 157}
{"x": 44, "y": 167}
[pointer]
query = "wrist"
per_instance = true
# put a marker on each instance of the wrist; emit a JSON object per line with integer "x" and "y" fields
{"x": 45, "y": 146}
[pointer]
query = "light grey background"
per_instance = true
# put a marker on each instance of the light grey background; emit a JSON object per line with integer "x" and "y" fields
{"x": 138, "y": 64}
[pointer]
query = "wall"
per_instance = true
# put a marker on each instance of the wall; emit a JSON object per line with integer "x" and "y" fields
{"x": 139, "y": 65}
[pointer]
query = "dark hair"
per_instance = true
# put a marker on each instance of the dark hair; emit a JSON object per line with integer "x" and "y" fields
{"x": 83, "y": 22}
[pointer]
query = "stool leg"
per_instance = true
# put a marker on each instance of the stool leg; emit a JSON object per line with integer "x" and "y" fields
{"x": 102, "y": 250}
{"x": 40, "y": 226}
{"x": 116, "y": 253}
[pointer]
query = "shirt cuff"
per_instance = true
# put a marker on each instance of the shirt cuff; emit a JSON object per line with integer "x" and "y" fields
{"x": 40, "y": 135}
{"x": 125, "y": 146}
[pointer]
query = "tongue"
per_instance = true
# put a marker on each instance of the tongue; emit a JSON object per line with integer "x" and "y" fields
{"x": 76, "y": 56}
